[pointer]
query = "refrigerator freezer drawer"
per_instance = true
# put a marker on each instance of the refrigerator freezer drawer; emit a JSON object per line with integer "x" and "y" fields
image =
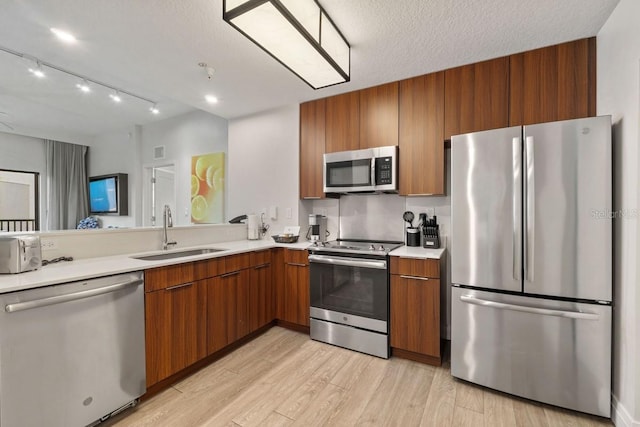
{"x": 551, "y": 351}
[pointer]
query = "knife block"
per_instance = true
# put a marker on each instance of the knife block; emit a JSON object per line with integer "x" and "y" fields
{"x": 432, "y": 241}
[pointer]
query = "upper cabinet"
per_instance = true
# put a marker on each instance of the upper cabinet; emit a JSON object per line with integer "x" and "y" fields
{"x": 379, "y": 116}
{"x": 342, "y": 122}
{"x": 421, "y": 135}
{"x": 553, "y": 83}
{"x": 476, "y": 97}
{"x": 419, "y": 114}
{"x": 312, "y": 147}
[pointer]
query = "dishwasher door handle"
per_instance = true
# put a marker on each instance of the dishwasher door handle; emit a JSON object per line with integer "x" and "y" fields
{"x": 36, "y": 303}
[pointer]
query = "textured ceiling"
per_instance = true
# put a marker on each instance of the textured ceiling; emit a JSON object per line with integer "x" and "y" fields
{"x": 152, "y": 48}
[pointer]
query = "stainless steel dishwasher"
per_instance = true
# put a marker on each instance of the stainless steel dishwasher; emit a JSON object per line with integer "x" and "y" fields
{"x": 73, "y": 353}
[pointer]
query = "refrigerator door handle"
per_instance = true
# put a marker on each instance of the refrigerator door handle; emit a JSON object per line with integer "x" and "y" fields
{"x": 530, "y": 223}
{"x": 516, "y": 206}
{"x": 526, "y": 309}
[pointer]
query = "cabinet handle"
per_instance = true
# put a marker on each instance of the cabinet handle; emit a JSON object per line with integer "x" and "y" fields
{"x": 310, "y": 198}
{"x": 258, "y": 267}
{"x": 184, "y": 285}
{"x": 295, "y": 264}
{"x": 414, "y": 277}
{"x": 231, "y": 274}
{"x": 419, "y": 194}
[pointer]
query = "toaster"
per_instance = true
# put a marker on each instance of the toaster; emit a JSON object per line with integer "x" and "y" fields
{"x": 20, "y": 253}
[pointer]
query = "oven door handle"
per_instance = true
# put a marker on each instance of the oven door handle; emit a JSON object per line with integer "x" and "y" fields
{"x": 349, "y": 262}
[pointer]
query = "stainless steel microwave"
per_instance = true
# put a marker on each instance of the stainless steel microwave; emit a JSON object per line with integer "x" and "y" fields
{"x": 362, "y": 171}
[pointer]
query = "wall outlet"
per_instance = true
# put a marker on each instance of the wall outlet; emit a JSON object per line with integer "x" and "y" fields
{"x": 288, "y": 213}
{"x": 431, "y": 212}
{"x": 47, "y": 245}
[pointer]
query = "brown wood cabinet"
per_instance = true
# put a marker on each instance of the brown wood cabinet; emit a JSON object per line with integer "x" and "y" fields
{"x": 415, "y": 309}
{"x": 553, "y": 83}
{"x": 342, "y": 130}
{"x": 227, "y": 309}
{"x": 292, "y": 289}
{"x": 260, "y": 300}
{"x": 312, "y": 147}
{"x": 421, "y": 140}
{"x": 175, "y": 322}
{"x": 379, "y": 116}
{"x": 476, "y": 97}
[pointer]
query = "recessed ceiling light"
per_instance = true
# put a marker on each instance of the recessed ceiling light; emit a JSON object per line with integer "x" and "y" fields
{"x": 154, "y": 109}
{"x": 211, "y": 99}
{"x": 64, "y": 35}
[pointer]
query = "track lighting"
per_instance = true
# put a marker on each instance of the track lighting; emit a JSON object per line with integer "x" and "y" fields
{"x": 115, "y": 96}
{"x": 37, "y": 71}
{"x": 84, "y": 86}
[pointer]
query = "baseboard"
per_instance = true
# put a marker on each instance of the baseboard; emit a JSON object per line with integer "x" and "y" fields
{"x": 620, "y": 416}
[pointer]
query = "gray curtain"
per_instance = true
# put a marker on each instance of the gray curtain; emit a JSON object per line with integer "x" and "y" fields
{"x": 67, "y": 200}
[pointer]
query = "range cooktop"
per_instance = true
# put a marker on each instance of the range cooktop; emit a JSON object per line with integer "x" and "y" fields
{"x": 356, "y": 246}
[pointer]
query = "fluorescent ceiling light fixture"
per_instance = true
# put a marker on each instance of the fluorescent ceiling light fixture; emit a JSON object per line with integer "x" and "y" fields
{"x": 154, "y": 109}
{"x": 37, "y": 71}
{"x": 211, "y": 99}
{"x": 63, "y": 35}
{"x": 115, "y": 97}
{"x": 297, "y": 33}
{"x": 84, "y": 86}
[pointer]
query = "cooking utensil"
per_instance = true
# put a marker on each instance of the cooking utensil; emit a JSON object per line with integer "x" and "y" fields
{"x": 408, "y": 216}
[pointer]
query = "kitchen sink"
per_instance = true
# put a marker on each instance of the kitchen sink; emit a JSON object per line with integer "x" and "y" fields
{"x": 178, "y": 254}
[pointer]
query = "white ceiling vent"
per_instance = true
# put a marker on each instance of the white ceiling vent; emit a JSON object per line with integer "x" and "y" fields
{"x": 158, "y": 152}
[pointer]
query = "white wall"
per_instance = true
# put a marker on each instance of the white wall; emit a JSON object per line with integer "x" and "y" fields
{"x": 263, "y": 165}
{"x": 118, "y": 152}
{"x": 619, "y": 95}
{"x": 184, "y": 136}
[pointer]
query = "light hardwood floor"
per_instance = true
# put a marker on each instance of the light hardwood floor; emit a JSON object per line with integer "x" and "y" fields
{"x": 283, "y": 378}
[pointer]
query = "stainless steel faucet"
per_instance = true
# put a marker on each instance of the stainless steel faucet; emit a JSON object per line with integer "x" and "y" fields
{"x": 167, "y": 222}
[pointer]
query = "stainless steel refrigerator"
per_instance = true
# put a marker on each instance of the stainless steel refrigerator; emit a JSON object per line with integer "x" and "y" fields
{"x": 531, "y": 259}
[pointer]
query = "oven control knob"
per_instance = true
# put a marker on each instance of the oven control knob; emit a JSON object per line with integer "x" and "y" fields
{"x": 381, "y": 248}
{"x": 372, "y": 248}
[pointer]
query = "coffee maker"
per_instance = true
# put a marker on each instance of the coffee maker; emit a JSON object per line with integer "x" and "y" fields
{"x": 317, "y": 228}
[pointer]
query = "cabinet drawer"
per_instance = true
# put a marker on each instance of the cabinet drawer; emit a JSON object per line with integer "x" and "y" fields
{"x": 171, "y": 275}
{"x": 260, "y": 257}
{"x": 217, "y": 266}
{"x": 293, "y": 256}
{"x": 415, "y": 267}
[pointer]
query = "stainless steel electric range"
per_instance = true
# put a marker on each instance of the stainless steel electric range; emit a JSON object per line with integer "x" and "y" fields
{"x": 349, "y": 294}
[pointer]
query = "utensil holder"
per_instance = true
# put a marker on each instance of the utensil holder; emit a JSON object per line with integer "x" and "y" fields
{"x": 413, "y": 236}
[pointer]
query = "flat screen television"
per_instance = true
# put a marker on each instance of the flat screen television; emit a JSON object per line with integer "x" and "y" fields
{"x": 108, "y": 194}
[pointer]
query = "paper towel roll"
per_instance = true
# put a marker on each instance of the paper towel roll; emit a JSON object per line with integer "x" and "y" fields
{"x": 252, "y": 227}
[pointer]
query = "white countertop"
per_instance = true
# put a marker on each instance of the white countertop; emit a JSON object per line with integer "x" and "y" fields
{"x": 82, "y": 269}
{"x": 417, "y": 252}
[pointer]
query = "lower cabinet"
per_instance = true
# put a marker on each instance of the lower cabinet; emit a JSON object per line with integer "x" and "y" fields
{"x": 260, "y": 294}
{"x": 295, "y": 302}
{"x": 415, "y": 309}
{"x": 226, "y": 309}
{"x": 175, "y": 329}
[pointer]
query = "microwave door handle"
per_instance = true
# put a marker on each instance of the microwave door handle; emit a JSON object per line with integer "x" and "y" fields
{"x": 373, "y": 171}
